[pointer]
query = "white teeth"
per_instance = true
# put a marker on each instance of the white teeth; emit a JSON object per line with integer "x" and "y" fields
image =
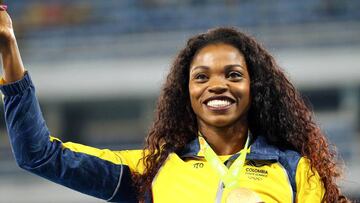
{"x": 218, "y": 103}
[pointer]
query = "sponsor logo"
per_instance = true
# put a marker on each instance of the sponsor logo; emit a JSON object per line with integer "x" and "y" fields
{"x": 198, "y": 165}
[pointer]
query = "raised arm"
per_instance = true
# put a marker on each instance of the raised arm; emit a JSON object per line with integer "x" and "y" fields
{"x": 101, "y": 173}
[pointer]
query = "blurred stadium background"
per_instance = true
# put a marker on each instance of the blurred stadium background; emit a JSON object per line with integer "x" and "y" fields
{"x": 98, "y": 67}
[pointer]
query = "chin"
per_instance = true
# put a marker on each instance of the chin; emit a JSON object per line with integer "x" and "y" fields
{"x": 220, "y": 123}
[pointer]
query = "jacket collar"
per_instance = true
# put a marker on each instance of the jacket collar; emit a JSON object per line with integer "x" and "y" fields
{"x": 260, "y": 149}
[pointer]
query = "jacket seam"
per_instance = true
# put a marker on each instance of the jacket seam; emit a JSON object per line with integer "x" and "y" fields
{"x": 119, "y": 181}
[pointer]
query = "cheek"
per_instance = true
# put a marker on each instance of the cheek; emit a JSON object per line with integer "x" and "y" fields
{"x": 195, "y": 93}
{"x": 246, "y": 94}
{"x": 247, "y": 91}
{"x": 243, "y": 92}
{"x": 192, "y": 97}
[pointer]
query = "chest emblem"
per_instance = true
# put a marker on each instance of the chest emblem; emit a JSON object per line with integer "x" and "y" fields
{"x": 256, "y": 173}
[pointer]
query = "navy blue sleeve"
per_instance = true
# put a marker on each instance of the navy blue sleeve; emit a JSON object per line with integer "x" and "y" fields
{"x": 33, "y": 150}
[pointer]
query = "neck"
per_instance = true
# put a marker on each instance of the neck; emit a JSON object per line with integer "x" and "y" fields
{"x": 225, "y": 140}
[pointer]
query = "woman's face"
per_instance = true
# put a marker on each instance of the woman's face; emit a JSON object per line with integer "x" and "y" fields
{"x": 219, "y": 86}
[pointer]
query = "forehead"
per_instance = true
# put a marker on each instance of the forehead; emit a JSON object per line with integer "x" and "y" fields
{"x": 217, "y": 53}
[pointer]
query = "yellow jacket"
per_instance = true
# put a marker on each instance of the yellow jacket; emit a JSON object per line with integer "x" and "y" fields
{"x": 274, "y": 175}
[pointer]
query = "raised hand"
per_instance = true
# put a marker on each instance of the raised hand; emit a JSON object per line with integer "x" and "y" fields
{"x": 13, "y": 68}
{"x": 6, "y": 29}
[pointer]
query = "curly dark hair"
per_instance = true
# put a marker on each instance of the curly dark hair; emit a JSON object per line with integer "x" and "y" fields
{"x": 277, "y": 111}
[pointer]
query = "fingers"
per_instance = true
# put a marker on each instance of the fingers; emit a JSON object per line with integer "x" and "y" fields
{"x": 3, "y": 7}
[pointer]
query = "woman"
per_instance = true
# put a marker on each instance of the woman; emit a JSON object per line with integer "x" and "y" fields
{"x": 229, "y": 127}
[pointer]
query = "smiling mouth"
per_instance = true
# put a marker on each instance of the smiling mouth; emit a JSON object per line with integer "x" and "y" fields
{"x": 219, "y": 104}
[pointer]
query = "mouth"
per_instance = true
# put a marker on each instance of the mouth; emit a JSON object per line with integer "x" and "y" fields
{"x": 219, "y": 103}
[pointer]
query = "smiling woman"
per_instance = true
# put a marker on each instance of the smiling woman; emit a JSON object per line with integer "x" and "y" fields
{"x": 229, "y": 127}
{"x": 219, "y": 87}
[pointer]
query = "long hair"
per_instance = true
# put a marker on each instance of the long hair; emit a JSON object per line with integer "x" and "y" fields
{"x": 277, "y": 111}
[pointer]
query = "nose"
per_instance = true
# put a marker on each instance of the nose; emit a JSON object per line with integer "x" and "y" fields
{"x": 217, "y": 86}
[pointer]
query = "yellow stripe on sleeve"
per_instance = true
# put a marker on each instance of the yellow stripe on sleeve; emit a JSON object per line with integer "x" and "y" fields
{"x": 104, "y": 154}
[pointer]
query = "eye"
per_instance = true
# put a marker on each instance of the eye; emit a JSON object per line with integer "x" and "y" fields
{"x": 234, "y": 75}
{"x": 201, "y": 77}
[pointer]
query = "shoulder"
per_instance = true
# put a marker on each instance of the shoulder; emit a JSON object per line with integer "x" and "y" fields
{"x": 305, "y": 181}
{"x": 132, "y": 158}
{"x": 261, "y": 149}
{"x": 305, "y": 173}
{"x": 310, "y": 187}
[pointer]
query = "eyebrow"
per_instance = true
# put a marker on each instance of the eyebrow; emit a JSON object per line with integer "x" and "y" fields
{"x": 200, "y": 67}
{"x": 234, "y": 65}
{"x": 226, "y": 67}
